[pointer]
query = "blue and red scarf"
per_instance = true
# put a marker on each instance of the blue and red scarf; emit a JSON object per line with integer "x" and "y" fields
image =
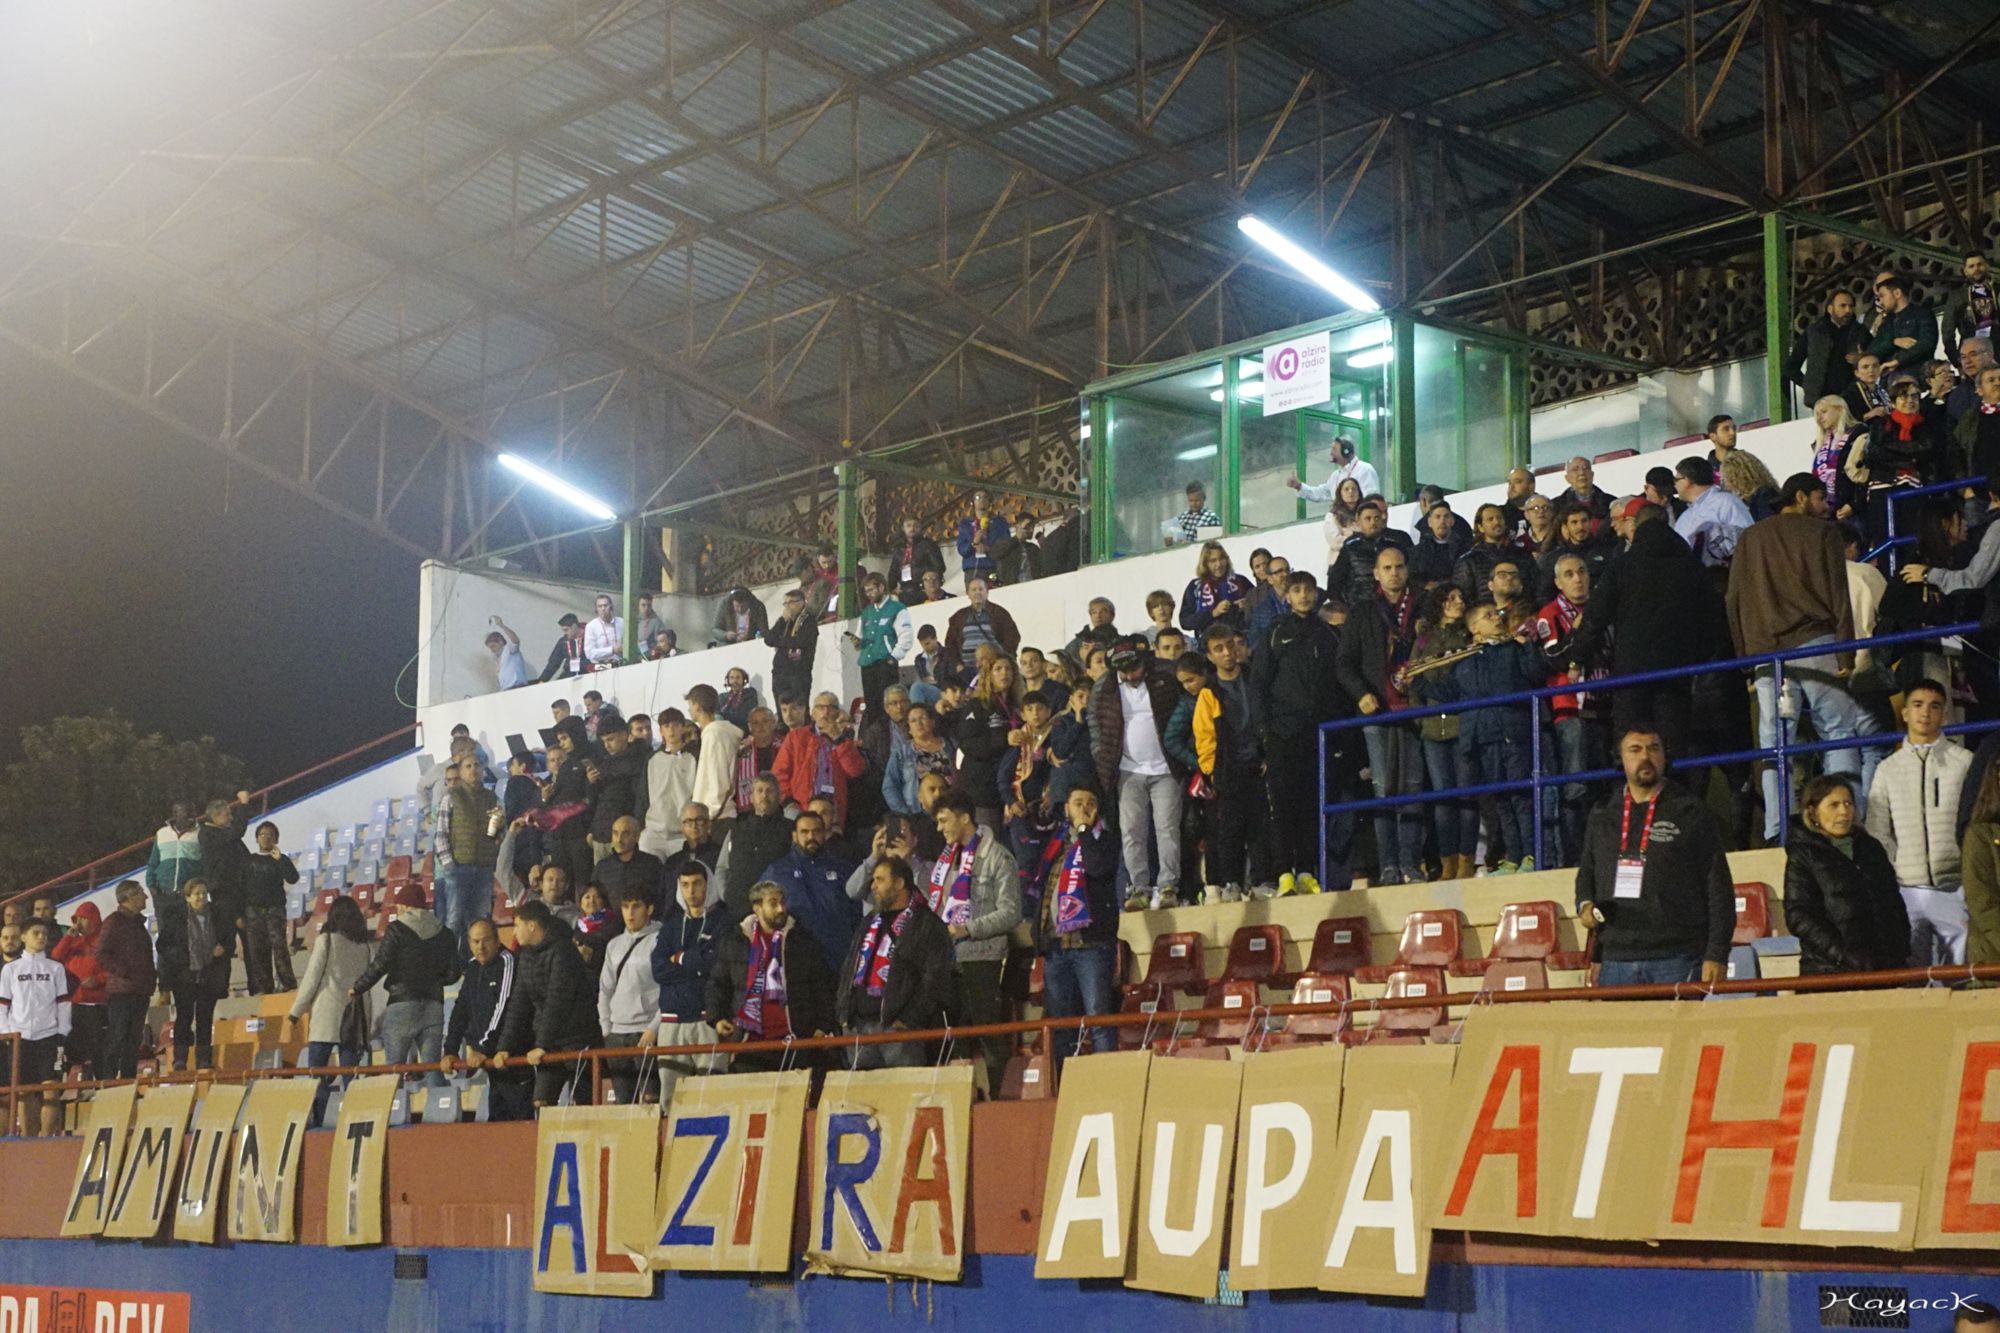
{"x": 1072, "y": 905}
{"x": 763, "y": 1012}
{"x": 878, "y": 946}
{"x": 950, "y": 889}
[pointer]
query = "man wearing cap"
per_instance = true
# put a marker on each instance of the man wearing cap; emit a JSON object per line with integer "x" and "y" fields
{"x": 419, "y": 958}
{"x": 567, "y": 658}
{"x": 1130, "y": 706}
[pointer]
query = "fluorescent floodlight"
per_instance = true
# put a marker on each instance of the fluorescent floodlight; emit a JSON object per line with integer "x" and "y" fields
{"x": 555, "y": 485}
{"x": 1247, "y": 389}
{"x": 1196, "y": 455}
{"x": 1372, "y": 356}
{"x": 1308, "y": 265}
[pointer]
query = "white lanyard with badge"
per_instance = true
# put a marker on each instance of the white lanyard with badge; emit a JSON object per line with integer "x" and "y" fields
{"x": 1631, "y": 874}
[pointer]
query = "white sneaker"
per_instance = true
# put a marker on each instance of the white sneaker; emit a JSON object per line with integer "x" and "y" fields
{"x": 1211, "y": 895}
{"x": 1138, "y": 899}
{"x": 1166, "y": 896}
{"x": 1232, "y": 893}
{"x": 1259, "y": 892}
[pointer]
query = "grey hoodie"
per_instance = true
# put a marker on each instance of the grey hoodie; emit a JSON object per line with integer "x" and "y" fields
{"x": 628, "y": 999}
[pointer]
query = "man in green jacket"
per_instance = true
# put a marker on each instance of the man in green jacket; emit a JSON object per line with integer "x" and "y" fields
{"x": 886, "y": 638}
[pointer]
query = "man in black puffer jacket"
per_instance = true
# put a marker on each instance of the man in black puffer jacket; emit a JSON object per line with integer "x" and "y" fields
{"x": 617, "y": 784}
{"x": 1658, "y": 609}
{"x": 554, "y": 1005}
{"x": 419, "y": 958}
{"x": 1351, "y": 578}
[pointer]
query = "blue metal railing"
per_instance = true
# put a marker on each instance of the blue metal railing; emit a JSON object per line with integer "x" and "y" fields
{"x": 1897, "y": 495}
{"x": 1781, "y": 752}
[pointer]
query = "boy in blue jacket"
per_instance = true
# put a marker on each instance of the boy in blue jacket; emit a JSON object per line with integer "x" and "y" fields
{"x": 1496, "y": 739}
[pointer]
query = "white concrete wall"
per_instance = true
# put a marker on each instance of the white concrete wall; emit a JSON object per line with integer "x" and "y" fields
{"x": 1048, "y": 610}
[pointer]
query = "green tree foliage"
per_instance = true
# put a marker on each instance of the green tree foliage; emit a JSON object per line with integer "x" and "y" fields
{"x": 86, "y": 786}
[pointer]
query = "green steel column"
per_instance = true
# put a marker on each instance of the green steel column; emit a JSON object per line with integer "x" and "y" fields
{"x": 847, "y": 484}
{"x": 1098, "y": 455}
{"x": 1401, "y": 469}
{"x": 635, "y": 575}
{"x": 1232, "y": 451}
{"x": 1777, "y": 314}
{"x": 1520, "y": 416}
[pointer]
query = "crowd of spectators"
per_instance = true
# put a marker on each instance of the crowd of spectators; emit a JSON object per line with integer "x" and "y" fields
{"x": 740, "y": 867}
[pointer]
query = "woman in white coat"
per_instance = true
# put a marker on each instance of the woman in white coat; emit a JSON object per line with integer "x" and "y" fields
{"x": 338, "y": 958}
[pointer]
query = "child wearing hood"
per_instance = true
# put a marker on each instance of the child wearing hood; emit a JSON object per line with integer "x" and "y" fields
{"x": 418, "y": 958}
{"x": 77, "y": 952}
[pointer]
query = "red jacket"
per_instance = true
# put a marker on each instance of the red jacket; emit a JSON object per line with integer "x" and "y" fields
{"x": 125, "y": 953}
{"x": 78, "y": 953}
{"x": 798, "y": 760}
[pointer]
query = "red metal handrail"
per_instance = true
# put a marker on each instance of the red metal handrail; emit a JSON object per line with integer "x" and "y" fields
{"x": 262, "y": 793}
{"x": 1689, "y": 990}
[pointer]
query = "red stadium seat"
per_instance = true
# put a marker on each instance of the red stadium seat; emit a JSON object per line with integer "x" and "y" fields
{"x": 364, "y": 898}
{"x": 1431, "y": 938}
{"x": 1515, "y": 974}
{"x": 1239, "y": 998}
{"x": 1256, "y": 953}
{"x": 1753, "y": 913}
{"x": 1317, "y": 988}
{"x": 1178, "y": 962}
{"x": 1410, "y": 982}
{"x": 1340, "y": 944}
{"x": 1548, "y": 469}
{"x": 323, "y": 903}
{"x": 398, "y": 871}
{"x": 1613, "y": 455}
{"x": 1133, "y": 1036}
{"x": 1527, "y": 931}
{"x": 1030, "y": 1077}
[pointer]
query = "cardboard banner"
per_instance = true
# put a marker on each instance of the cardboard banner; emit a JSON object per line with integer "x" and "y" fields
{"x": 97, "y": 1165}
{"x": 152, "y": 1154}
{"x": 730, "y": 1182}
{"x": 1961, "y": 1207}
{"x": 59, "y": 1309}
{"x": 1386, "y": 1165}
{"x": 264, "y": 1165}
{"x": 889, "y": 1173}
{"x": 595, "y": 1171}
{"x": 1797, "y": 1114}
{"x": 354, "y": 1176}
{"x": 1185, "y": 1154}
{"x": 204, "y": 1177}
{"x": 1288, "y": 1120}
{"x": 1093, "y": 1166}
{"x": 1561, "y": 1119}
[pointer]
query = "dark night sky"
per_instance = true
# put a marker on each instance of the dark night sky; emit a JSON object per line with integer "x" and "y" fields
{"x": 126, "y": 582}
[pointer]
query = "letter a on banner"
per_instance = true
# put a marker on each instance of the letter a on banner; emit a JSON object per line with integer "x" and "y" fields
{"x": 596, "y": 1168}
{"x": 205, "y": 1175}
{"x": 1093, "y": 1172}
{"x": 730, "y": 1182}
{"x": 97, "y": 1165}
{"x": 1387, "y": 1163}
{"x": 889, "y": 1173}
{"x": 354, "y": 1177}
{"x": 1185, "y": 1147}
{"x": 1287, "y": 1122}
{"x": 146, "y": 1181}
{"x": 264, "y": 1169}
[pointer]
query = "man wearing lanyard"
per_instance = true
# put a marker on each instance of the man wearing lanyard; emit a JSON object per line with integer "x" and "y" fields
{"x": 1653, "y": 881}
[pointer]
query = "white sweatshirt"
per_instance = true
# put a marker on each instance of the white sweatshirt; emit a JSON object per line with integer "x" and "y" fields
{"x": 34, "y": 989}
{"x": 628, "y": 999}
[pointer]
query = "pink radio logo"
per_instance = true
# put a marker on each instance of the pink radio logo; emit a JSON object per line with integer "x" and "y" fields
{"x": 1286, "y": 364}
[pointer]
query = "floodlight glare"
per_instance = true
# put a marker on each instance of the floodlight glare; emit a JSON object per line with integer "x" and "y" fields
{"x": 555, "y": 485}
{"x": 1373, "y": 356}
{"x": 1307, "y": 264}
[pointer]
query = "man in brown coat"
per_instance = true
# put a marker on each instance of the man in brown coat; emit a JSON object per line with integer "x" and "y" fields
{"x": 1788, "y": 589}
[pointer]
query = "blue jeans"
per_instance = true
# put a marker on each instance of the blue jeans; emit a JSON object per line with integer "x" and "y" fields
{"x": 1581, "y": 745}
{"x": 413, "y": 1033}
{"x": 1811, "y": 690}
{"x": 1396, "y": 765}
{"x": 320, "y": 1054}
{"x": 1078, "y": 983}
{"x": 1456, "y": 822}
{"x": 465, "y": 894}
{"x": 1649, "y": 972}
{"x": 1505, "y": 761}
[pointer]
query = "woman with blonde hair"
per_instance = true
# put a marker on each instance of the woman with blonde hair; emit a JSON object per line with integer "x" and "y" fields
{"x": 1745, "y": 477}
{"x": 1217, "y": 592}
{"x": 989, "y": 726}
{"x": 1838, "y": 449}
